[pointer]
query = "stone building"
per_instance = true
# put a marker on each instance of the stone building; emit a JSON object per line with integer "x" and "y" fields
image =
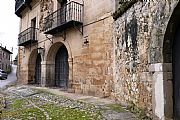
{"x": 124, "y": 50}
{"x": 67, "y": 44}
{"x": 5, "y": 58}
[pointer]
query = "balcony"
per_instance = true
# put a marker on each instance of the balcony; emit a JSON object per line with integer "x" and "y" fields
{"x": 27, "y": 37}
{"x": 68, "y": 16}
{"x": 20, "y": 5}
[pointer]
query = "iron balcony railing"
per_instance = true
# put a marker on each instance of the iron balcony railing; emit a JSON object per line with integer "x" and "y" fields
{"x": 20, "y": 5}
{"x": 28, "y": 36}
{"x": 71, "y": 13}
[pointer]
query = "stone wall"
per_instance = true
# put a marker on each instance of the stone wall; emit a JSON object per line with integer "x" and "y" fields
{"x": 138, "y": 40}
{"x": 93, "y": 68}
{"x": 21, "y": 73}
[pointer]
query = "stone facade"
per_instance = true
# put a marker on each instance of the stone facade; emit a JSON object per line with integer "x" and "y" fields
{"x": 90, "y": 64}
{"x": 128, "y": 59}
{"x": 141, "y": 75}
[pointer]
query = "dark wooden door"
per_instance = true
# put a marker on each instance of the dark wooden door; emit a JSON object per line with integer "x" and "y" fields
{"x": 38, "y": 70}
{"x": 61, "y": 68}
{"x": 61, "y": 14}
{"x": 33, "y": 29}
{"x": 176, "y": 74}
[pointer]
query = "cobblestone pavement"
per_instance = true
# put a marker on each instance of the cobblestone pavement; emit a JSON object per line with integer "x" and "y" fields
{"x": 38, "y": 98}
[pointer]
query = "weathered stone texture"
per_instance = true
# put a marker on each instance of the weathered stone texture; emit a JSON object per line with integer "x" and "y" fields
{"x": 93, "y": 68}
{"x": 138, "y": 41}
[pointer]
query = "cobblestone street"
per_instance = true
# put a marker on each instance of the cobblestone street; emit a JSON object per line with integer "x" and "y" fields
{"x": 37, "y": 103}
{"x": 10, "y": 80}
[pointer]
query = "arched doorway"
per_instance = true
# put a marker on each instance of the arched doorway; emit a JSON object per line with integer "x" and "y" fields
{"x": 38, "y": 70}
{"x": 32, "y": 66}
{"x": 171, "y": 49}
{"x": 176, "y": 73}
{"x": 61, "y": 68}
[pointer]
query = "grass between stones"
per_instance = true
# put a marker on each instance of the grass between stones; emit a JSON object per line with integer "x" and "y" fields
{"x": 18, "y": 104}
{"x": 116, "y": 107}
{"x": 55, "y": 113}
{"x": 41, "y": 105}
{"x": 20, "y": 109}
{"x": 69, "y": 113}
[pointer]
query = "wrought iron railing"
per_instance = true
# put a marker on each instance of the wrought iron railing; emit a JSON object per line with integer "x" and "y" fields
{"x": 27, "y": 36}
{"x": 72, "y": 11}
{"x": 18, "y": 4}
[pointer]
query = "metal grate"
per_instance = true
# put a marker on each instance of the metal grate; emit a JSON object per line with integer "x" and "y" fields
{"x": 38, "y": 70}
{"x": 61, "y": 68}
{"x": 72, "y": 11}
{"x": 28, "y": 35}
{"x": 18, "y": 4}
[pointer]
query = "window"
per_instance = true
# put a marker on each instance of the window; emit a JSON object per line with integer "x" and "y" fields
{"x": 7, "y": 56}
{"x": 3, "y": 55}
{"x": 61, "y": 3}
{"x": 33, "y": 32}
{"x": 2, "y": 66}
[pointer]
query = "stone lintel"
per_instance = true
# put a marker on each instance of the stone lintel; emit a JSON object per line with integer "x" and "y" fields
{"x": 160, "y": 67}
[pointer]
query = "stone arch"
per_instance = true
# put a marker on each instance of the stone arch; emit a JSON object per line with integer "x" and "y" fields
{"x": 168, "y": 69}
{"x": 169, "y": 35}
{"x": 50, "y": 55}
{"x": 161, "y": 62}
{"x": 32, "y": 65}
{"x": 50, "y": 62}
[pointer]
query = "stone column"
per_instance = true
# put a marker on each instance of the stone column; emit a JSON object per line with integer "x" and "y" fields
{"x": 70, "y": 82}
{"x": 50, "y": 73}
{"x": 162, "y": 90}
{"x": 47, "y": 73}
{"x": 43, "y": 73}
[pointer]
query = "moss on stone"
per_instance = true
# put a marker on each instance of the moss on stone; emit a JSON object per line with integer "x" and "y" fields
{"x": 116, "y": 107}
{"x": 17, "y": 104}
{"x": 55, "y": 113}
{"x": 123, "y": 7}
{"x": 139, "y": 112}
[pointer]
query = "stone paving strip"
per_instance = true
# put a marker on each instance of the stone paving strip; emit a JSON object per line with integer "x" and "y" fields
{"x": 46, "y": 104}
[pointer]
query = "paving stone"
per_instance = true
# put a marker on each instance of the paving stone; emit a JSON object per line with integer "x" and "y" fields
{"x": 92, "y": 104}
